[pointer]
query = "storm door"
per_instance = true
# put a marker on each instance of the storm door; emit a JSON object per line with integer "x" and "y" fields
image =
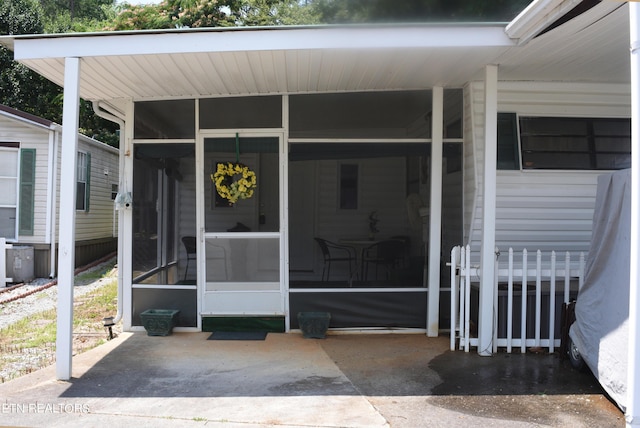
{"x": 241, "y": 243}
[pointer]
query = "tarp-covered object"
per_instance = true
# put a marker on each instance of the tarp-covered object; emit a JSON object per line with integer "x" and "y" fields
{"x": 600, "y": 331}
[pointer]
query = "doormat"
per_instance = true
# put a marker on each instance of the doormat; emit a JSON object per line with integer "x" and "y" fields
{"x": 238, "y": 335}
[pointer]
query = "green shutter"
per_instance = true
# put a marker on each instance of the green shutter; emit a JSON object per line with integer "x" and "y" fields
{"x": 87, "y": 192}
{"x": 27, "y": 190}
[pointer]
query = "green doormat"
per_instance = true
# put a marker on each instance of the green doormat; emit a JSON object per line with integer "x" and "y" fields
{"x": 238, "y": 335}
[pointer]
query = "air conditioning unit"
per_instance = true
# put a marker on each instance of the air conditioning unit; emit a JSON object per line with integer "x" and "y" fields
{"x": 20, "y": 263}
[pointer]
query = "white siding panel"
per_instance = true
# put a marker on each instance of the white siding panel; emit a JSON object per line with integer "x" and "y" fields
{"x": 547, "y": 210}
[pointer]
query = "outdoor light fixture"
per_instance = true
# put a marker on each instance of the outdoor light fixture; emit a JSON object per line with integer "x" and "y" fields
{"x": 108, "y": 324}
{"x": 123, "y": 200}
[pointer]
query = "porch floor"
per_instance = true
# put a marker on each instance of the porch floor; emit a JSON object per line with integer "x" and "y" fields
{"x": 398, "y": 380}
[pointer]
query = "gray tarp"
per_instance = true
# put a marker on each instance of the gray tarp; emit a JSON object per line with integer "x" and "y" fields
{"x": 602, "y": 307}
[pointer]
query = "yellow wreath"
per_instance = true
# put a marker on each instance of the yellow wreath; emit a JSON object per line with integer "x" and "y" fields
{"x": 240, "y": 188}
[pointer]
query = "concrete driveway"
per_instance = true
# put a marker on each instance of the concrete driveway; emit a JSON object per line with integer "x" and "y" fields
{"x": 348, "y": 380}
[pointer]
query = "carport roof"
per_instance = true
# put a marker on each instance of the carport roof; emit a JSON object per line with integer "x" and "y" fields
{"x": 211, "y": 62}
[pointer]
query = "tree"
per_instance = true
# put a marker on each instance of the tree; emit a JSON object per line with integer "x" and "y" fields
{"x": 26, "y": 90}
{"x": 22, "y": 88}
{"x": 212, "y": 13}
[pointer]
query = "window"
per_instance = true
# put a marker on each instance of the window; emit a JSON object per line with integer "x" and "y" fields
{"x": 82, "y": 181}
{"x": 348, "y": 193}
{"x": 575, "y": 143}
{"x": 8, "y": 189}
{"x": 114, "y": 191}
{"x": 563, "y": 143}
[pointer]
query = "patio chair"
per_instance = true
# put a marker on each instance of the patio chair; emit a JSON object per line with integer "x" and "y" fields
{"x": 389, "y": 254}
{"x": 332, "y": 252}
{"x": 189, "y": 243}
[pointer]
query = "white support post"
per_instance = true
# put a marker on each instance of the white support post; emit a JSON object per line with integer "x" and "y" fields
{"x": 487, "y": 256}
{"x": 435, "y": 214}
{"x": 66, "y": 256}
{"x": 632, "y": 413}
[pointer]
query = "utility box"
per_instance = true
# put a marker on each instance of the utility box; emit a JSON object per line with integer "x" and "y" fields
{"x": 20, "y": 263}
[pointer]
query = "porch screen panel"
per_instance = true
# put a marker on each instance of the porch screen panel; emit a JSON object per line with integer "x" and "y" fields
{"x": 241, "y": 112}
{"x": 168, "y": 119}
{"x": 242, "y": 264}
{"x": 260, "y": 212}
{"x": 163, "y": 213}
{"x": 402, "y": 114}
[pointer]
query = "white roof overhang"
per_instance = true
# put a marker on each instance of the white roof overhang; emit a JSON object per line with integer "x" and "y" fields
{"x": 256, "y": 61}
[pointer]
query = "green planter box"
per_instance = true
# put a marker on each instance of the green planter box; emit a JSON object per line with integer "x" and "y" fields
{"x": 314, "y": 325}
{"x": 159, "y": 322}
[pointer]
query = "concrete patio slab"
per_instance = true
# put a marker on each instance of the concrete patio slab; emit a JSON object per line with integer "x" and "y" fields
{"x": 397, "y": 380}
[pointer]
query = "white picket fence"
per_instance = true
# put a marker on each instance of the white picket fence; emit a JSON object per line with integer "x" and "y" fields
{"x": 3, "y": 262}
{"x": 533, "y": 282}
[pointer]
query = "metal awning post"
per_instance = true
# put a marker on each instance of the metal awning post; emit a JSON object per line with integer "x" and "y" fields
{"x": 66, "y": 248}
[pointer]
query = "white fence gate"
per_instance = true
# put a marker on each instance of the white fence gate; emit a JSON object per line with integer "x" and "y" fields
{"x": 525, "y": 307}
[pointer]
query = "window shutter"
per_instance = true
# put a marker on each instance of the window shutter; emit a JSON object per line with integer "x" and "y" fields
{"x": 87, "y": 191}
{"x": 27, "y": 190}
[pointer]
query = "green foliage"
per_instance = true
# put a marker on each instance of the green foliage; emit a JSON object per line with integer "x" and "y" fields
{"x": 274, "y": 12}
{"x": 20, "y": 17}
{"x": 214, "y": 13}
{"x": 22, "y": 88}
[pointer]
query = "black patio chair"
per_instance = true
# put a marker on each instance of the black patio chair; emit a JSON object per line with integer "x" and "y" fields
{"x": 332, "y": 252}
{"x": 389, "y": 254}
{"x": 189, "y": 243}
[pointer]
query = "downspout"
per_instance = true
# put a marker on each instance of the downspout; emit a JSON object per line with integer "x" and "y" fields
{"x": 53, "y": 214}
{"x": 112, "y": 115}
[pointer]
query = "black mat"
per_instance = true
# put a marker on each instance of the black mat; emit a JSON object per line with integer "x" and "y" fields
{"x": 238, "y": 335}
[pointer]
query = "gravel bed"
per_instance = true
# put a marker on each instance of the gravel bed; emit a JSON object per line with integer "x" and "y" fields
{"x": 46, "y": 299}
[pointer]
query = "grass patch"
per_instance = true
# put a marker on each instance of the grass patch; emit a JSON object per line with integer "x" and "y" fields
{"x": 29, "y": 344}
{"x": 106, "y": 271}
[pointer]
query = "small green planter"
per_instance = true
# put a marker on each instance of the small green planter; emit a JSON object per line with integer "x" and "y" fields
{"x": 314, "y": 325}
{"x": 159, "y": 322}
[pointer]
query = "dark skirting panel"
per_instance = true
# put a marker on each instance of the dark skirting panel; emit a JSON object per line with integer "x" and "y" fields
{"x": 156, "y": 298}
{"x": 364, "y": 309}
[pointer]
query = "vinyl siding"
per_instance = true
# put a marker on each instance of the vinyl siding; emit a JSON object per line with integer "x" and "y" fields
{"x": 547, "y": 210}
{"x": 99, "y": 221}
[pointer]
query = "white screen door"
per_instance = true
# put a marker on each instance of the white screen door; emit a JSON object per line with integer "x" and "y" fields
{"x": 241, "y": 243}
